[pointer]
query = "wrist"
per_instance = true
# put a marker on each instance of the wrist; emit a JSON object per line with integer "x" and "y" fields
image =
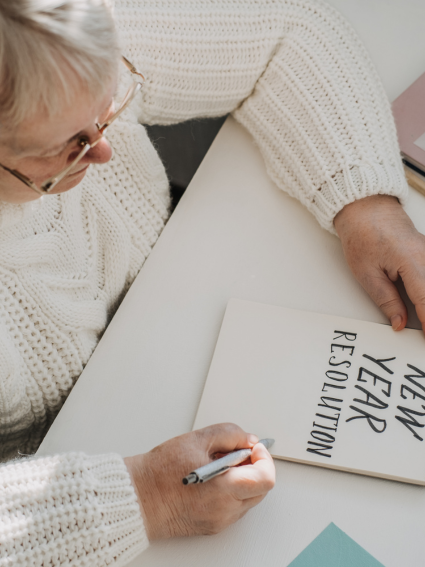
{"x": 148, "y": 497}
{"x": 133, "y": 466}
{"x": 364, "y": 211}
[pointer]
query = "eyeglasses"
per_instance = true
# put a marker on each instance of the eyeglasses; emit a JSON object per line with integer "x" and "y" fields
{"x": 83, "y": 142}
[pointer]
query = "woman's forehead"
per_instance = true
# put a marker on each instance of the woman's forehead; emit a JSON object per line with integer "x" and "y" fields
{"x": 44, "y": 133}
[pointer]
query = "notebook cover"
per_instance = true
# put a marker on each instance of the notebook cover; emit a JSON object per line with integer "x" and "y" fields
{"x": 333, "y": 392}
{"x": 409, "y": 115}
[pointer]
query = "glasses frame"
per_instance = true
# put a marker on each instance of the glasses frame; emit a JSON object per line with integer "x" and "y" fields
{"x": 47, "y": 186}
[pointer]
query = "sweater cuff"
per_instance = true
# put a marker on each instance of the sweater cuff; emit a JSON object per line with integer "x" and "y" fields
{"x": 351, "y": 184}
{"x": 118, "y": 505}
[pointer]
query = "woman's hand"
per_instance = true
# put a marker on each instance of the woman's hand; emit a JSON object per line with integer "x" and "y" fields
{"x": 381, "y": 244}
{"x": 171, "y": 509}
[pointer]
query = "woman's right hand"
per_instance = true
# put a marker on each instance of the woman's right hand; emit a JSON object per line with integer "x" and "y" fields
{"x": 172, "y": 509}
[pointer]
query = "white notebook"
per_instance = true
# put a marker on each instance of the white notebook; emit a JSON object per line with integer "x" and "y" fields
{"x": 332, "y": 392}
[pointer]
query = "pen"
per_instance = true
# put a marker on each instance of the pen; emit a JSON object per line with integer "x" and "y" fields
{"x": 220, "y": 466}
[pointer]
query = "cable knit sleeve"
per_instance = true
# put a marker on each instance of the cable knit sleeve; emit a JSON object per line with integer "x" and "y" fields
{"x": 293, "y": 72}
{"x": 69, "y": 509}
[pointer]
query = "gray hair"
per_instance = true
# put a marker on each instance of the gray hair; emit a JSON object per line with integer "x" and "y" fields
{"x": 50, "y": 50}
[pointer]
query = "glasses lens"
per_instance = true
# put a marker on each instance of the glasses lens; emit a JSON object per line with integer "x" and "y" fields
{"x": 49, "y": 184}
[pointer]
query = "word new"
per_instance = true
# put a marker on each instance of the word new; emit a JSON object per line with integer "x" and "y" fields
{"x": 372, "y": 406}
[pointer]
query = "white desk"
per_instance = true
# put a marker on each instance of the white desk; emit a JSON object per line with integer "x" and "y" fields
{"x": 235, "y": 235}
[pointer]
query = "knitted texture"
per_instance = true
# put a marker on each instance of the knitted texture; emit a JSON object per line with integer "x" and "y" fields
{"x": 312, "y": 98}
{"x": 65, "y": 263}
{"x": 69, "y": 510}
{"x": 294, "y": 73}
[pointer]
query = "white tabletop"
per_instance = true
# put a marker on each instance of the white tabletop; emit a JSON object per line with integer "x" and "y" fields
{"x": 234, "y": 234}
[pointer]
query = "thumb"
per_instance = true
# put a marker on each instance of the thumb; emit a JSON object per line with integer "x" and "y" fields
{"x": 386, "y": 296}
{"x": 260, "y": 453}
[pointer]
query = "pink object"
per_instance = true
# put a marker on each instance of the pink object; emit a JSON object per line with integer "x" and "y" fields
{"x": 409, "y": 114}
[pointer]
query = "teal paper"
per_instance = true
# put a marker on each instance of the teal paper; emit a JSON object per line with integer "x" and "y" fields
{"x": 333, "y": 548}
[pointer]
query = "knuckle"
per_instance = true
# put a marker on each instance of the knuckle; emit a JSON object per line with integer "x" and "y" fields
{"x": 231, "y": 428}
{"x": 211, "y": 529}
{"x": 371, "y": 281}
{"x": 219, "y": 527}
{"x": 389, "y": 303}
{"x": 420, "y": 305}
{"x": 219, "y": 428}
{"x": 248, "y": 488}
{"x": 248, "y": 484}
{"x": 254, "y": 502}
{"x": 269, "y": 483}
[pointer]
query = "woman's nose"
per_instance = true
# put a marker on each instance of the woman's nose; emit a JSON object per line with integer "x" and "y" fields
{"x": 100, "y": 153}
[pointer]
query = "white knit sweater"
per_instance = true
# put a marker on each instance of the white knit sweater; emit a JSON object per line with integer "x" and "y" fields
{"x": 295, "y": 75}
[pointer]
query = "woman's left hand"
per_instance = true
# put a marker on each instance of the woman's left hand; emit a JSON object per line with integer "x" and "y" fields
{"x": 381, "y": 244}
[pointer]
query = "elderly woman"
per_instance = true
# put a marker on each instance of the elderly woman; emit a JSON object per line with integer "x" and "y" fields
{"x": 80, "y": 213}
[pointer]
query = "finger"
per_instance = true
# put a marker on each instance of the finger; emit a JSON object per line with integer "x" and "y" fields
{"x": 252, "y": 480}
{"x": 246, "y": 505}
{"x": 386, "y": 296}
{"x": 420, "y": 311}
{"x": 225, "y": 437}
{"x": 260, "y": 453}
{"x": 249, "y": 503}
{"x": 414, "y": 282}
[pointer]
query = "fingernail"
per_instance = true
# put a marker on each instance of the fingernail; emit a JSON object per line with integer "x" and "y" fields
{"x": 252, "y": 438}
{"x": 396, "y": 321}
